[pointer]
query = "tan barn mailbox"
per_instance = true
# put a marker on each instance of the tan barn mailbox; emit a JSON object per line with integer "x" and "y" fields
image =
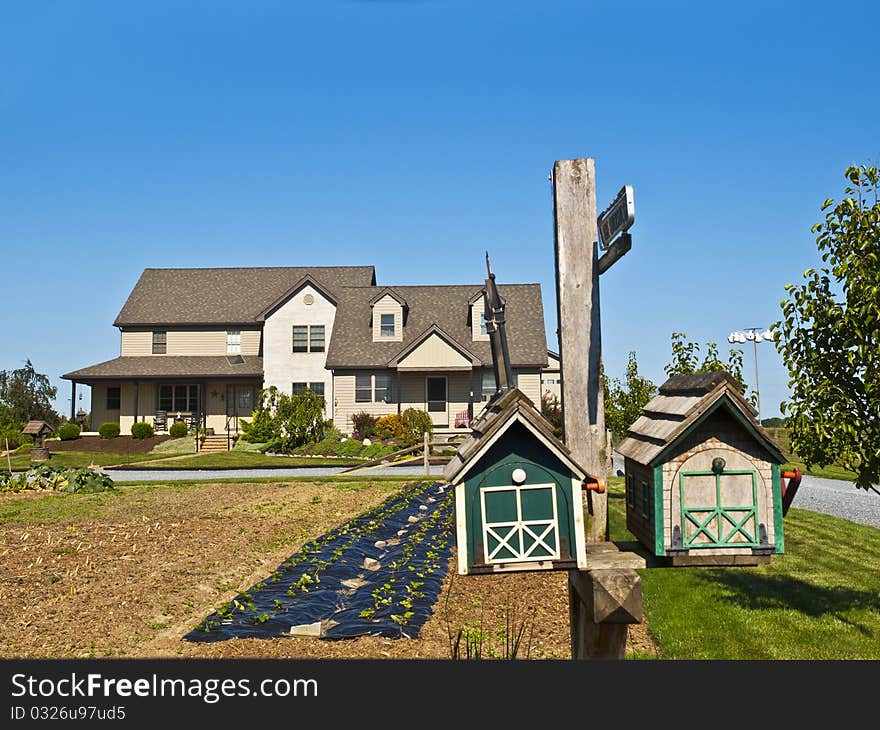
{"x": 703, "y": 485}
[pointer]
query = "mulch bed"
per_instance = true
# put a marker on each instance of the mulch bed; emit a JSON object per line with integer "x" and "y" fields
{"x": 119, "y": 445}
{"x": 130, "y": 573}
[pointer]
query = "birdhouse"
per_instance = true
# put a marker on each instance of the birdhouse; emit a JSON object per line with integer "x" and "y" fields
{"x": 703, "y": 482}
{"x": 518, "y": 493}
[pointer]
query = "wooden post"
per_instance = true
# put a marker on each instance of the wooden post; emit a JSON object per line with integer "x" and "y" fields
{"x": 427, "y": 461}
{"x": 72, "y": 400}
{"x": 580, "y": 333}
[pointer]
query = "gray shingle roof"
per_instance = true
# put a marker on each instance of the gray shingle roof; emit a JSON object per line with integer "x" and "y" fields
{"x": 352, "y": 346}
{"x": 224, "y": 296}
{"x": 171, "y": 366}
{"x": 682, "y": 402}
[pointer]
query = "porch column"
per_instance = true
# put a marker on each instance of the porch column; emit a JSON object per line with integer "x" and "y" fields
{"x": 72, "y": 400}
{"x": 399, "y": 389}
{"x": 136, "y": 409}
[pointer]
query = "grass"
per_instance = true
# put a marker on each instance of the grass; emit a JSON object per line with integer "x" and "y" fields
{"x": 820, "y": 600}
{"x": 22, "y": 462}
{"x": 832, "y": 471}
{"x": 248, "y": 459}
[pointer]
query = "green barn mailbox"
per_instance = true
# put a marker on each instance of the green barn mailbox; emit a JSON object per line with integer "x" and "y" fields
{"x": 518, "y": 493}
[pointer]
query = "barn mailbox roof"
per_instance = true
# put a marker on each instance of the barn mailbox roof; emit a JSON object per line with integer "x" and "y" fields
{"x": 682, "y": 403}
{"x": 502, "y": 411}
{"x": 37, "y": 428}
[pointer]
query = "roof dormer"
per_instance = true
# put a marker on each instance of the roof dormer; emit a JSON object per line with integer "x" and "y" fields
{"x": 478, "y": 318}
{"x": 388, "y": 316}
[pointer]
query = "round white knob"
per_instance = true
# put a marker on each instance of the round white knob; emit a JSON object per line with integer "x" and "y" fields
{"x": 519, "y": 476}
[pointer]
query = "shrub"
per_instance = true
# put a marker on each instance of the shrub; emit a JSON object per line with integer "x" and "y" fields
{"x": 11, "y": 432}
{"x": 142, "y": 430}
{"x": 389, "y": 427}
{"x": 262, "y": 429}
{"x": 69, "y": 431}
{"x": 108, "y": 430}
{"x": 364, "y": 424}
{"x": 300, "y": 419}
{"x": 415, "y": 423}
{"x": 57, "y": 479}
{"x": 178, "y": 430}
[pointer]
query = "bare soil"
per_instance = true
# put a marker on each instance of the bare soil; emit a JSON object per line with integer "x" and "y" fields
{"x": 130, "y": 573}
{"x": 118, "y": 445}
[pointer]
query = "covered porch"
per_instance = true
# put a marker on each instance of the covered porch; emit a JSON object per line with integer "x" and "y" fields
{"x": 165, "y": 390}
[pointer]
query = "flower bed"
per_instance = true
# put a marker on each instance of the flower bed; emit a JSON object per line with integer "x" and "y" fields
{"x": 378, "y": 574}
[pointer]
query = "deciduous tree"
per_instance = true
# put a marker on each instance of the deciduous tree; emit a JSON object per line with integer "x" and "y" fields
{"x": 829, "y": 337}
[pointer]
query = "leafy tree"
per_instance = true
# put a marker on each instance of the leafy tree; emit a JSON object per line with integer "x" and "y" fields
{"x": 829, "y": 337}
{"x": 552, "y": 411}
{"x": 686, "y": 361}
{"x": 286, "y": 421}
{"x": 624, "y": 400}
{"x": 26, "y": 395}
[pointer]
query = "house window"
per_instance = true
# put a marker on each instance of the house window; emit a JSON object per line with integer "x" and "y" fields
{"x": 483, "y": 330}
{"x": 174, "y": 398}
{"x": 317, "y": 388}
{"x": 488, "y": 387}
{"x": 160, "y": 342}
{"x": 300, "y": 338}
{"x": 630, "y": 491}
{"x": 383, "y": 393}
{"x": 299, "y": 388}
{"x": 363, "y": 388}
{"x": 113, "y": 398}
{"x": 387, "y": 325}
{"x": 308, "y": 338}
{"x": 316, "y": 338}
{"x": 646, "y": 499}
{"x": 233, "y": 342}
{"x": 245, "y": 400}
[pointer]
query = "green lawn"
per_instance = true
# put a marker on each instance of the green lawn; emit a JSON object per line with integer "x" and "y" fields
{"x": 828, "y": 472}
{"x": 248, "y": 459}
{"x": 22, "y": 462}
{"x": 821, "y": 600}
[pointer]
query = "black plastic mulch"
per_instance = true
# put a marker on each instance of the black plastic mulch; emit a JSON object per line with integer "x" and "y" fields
{"x": 326, "y": 579}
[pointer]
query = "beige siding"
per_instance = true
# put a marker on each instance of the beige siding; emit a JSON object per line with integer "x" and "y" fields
{"x": 137, "y": 343}
{"x": 100, "y": 414}
{"x": 251, "y": 341}
{"x": 413, "y": 394}
{"x": 146, "y": 405}
{"x": 344, "y": 405}
{"x": 529, "y": 382}
{"x": 189, "y": 342}
{"x": 387, "y": 305}
{"x": 477, "y": 308}
{"x": 434, "y": 353}
{"x": 196, "y": 342}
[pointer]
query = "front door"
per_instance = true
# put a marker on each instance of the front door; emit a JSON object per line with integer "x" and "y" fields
{"x": 435, "y": 395}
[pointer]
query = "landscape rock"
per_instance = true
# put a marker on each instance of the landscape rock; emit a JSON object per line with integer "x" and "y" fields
{"x": 313, "y": 630}
{"x": 371, "y": 564}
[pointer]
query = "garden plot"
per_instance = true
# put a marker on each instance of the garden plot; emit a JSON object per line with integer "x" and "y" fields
{"x": 379, "y": 574}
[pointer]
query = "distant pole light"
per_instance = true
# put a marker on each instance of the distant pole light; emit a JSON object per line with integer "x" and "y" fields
{"x": 753, "y": 335}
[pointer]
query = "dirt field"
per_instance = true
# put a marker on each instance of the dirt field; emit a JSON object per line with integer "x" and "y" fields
{"x": 127, "y": 574}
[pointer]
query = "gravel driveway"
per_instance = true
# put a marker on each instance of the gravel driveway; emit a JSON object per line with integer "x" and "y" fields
{"x": 838, "y": 498}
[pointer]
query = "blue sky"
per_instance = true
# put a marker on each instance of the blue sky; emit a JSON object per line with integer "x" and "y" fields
{"x": 414, "y": 136}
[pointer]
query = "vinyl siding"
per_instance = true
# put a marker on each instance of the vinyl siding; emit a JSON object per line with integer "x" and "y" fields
{"x": 137, "y": 343}
{"x": 477, "y": 308}
{"x": 189, "y": 342}
{"x": 345, "y": 406}
{"x": 387, "y": 305}
{"x": 529, "y": 382}
{"x": 435, "y": 354}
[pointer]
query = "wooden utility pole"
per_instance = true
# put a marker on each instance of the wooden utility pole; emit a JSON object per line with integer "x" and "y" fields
{"x": 580, "y": 332}
{"x": 607, "y": 596}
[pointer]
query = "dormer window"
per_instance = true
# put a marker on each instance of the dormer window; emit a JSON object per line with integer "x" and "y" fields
{"x": 387, "y": 325}
{"x": 483, "y": 330}
{"x": 233, "y": 342}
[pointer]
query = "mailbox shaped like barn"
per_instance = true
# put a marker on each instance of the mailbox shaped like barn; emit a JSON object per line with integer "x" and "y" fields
{"x": 703, "y": 485}
{"x": 518, "y": 498}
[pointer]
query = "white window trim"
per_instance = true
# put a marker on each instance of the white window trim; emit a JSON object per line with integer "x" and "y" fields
{"x": 233, "y": 342}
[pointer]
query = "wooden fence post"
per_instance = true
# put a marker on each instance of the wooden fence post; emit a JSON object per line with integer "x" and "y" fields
{"x": 427, "y": 461}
